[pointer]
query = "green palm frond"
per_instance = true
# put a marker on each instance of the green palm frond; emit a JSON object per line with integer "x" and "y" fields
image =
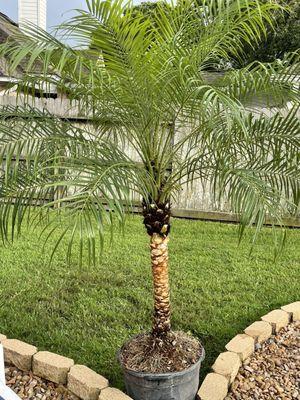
{"x": 159, "y": 116}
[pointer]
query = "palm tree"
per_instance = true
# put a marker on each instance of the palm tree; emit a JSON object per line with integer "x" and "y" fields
{"x": 160, "y": 119}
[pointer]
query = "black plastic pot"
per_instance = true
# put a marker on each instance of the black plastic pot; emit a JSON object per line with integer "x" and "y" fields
{"x": 181, "y": 385}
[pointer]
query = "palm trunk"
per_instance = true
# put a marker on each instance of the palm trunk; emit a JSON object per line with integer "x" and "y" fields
{"x": 162, "y": 309}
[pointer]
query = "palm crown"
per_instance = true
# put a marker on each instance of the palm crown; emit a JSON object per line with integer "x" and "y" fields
{"x": 160, "y": 118}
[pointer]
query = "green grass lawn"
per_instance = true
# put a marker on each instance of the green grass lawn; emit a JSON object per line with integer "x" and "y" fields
{"x": 86, "y": 313}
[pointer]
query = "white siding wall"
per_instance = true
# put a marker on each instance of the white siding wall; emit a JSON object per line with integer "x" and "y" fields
{"x": 33, "y": 11}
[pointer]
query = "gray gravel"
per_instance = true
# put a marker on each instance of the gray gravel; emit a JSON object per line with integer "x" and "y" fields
{"x": 27, "y": 386}
{"x": 273, "y": 371}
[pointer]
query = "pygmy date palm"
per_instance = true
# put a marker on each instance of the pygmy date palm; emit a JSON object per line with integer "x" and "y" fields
{"x": 159, "y": 119}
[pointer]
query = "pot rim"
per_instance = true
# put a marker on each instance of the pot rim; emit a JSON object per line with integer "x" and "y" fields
{"x": 161, "y": 375}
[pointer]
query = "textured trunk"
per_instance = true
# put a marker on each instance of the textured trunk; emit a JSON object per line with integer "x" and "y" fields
{"x": 157, "y": 222}
{"x": 159, "y": 260}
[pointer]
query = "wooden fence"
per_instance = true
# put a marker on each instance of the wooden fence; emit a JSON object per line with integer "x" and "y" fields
{"x": 195, "y": 202}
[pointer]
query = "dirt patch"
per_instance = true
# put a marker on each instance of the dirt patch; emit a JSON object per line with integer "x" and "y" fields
{"x": 176, "y": 352}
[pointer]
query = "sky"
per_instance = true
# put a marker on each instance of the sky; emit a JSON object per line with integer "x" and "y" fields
{"x": 57, "y": 10}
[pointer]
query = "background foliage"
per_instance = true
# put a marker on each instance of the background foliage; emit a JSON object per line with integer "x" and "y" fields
{"x": 283, "y": 38}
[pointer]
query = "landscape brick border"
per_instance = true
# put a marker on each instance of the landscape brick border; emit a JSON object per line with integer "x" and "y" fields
{"x": 79, "y": 379}
{"x": 88, "y": 385}
{"x": 217, "y": 383}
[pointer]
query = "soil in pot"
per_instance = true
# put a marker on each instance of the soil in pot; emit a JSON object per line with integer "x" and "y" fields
{"x": 176, "y": 352}
{"x": 162, "y": 369}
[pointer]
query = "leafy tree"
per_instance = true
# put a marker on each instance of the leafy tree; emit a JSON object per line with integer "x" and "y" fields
{"x": 149, "y": 8}
{"x": 152, "y": 94}
{"x": 283, "y": 38}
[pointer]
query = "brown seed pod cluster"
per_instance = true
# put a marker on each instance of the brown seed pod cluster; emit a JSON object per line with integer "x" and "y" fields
{"x": 157, "y": 218}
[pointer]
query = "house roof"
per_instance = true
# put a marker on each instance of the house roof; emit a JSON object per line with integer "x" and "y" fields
{"x": 10, "y": 21}
{"x": 7, "y": 28}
